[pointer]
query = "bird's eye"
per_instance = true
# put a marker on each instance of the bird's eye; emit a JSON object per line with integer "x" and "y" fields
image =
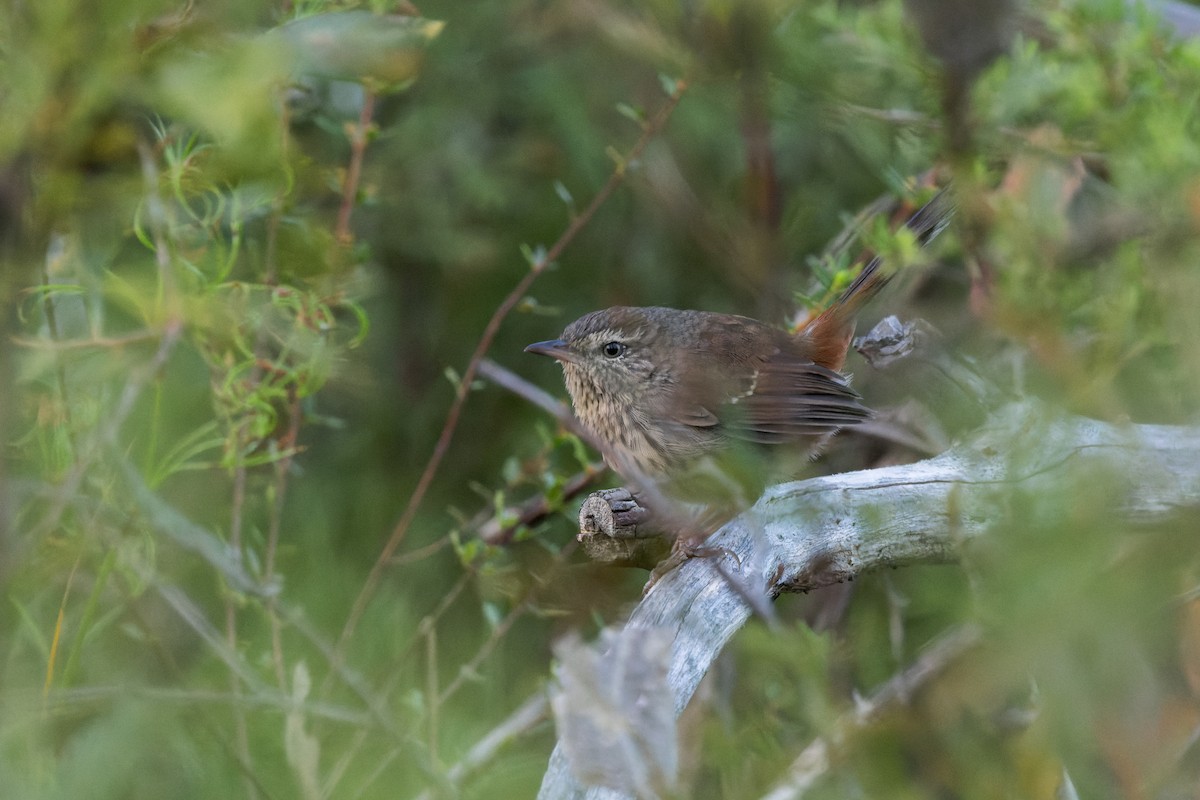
{"x": 613, "y": 349}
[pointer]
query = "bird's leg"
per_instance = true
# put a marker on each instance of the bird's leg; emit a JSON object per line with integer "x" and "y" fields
{"x": 691, "y": 542}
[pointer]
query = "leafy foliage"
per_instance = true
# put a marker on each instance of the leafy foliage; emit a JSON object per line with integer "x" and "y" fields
{"x": 239, "y": 271}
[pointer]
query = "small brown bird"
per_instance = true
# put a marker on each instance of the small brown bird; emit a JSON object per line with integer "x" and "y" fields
{"x": 664, "y": 389}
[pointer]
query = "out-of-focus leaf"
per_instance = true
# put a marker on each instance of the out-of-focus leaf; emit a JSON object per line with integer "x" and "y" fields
{"x": 232, "y": 95}
{"x": 384, "y": 52}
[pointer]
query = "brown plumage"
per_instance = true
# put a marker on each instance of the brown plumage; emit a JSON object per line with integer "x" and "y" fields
{"x": 664, "y": 388}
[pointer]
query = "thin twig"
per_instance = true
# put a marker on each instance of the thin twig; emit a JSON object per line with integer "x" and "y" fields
{"x": 470, "y": 670}
{"x": 375, "y": 704}
{"x": 814, "y": 760}
{"x": 194, "y": 617}
{"x": 376, "y": 773}
{"x": 270, "y": 278}
{"x": 358, "y": 149}
{"x": 103, "y": 342}
{"x": 431, "y": 689}
{"x": 52, "y": 658}
{"x": 241, "y": 736}
{"x": 893, "y": 116}
{"x": 429, "y": 622}
{"x": 507, "y": 379}
{"x": 893, "y": 433}
{"x": 421, "y": 553}
{"x": 60, "y": 368}
{"x": 527, "y": 716}
{"x": 79, "y": 699}
{"x": 510, "y": 302}
{"x": 139, "y": 378}
{"x": 282, "y": 468}
{"x": 536, "y": 508}
{"x": 334, "y": 774}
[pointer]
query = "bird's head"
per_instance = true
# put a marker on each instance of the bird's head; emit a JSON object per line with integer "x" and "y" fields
{"x": 620, "y": 352}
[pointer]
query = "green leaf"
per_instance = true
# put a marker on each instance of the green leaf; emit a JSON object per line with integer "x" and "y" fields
{"x": 493, "y": 614}
{"x": 629, "y": 112}
{"x": 183, "y": 455}
{"x": 564, "y": 194}
{"x": 382, "y": 51}
{"x": 84, "y": 627}
{"x": 533, "y": 255}
{"x": 233, "y": 96}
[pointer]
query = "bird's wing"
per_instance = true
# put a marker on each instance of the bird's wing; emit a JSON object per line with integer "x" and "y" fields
{"x": 788, "y": 398}
{"x": 777, "y": 399}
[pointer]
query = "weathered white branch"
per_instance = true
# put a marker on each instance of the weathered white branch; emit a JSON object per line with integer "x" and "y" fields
{"x": 813, "y": 533}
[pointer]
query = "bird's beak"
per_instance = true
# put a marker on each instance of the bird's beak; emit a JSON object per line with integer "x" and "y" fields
{"x": 555, "y": 348}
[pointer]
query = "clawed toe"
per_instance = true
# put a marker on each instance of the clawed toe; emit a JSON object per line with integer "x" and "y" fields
{"x": 686, "y": 548}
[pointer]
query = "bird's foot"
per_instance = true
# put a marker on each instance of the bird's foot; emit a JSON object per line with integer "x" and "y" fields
{"x": 684, "y": 549}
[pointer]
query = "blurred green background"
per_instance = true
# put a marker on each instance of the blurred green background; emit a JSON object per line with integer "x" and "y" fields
{"x": 227, "y": 361}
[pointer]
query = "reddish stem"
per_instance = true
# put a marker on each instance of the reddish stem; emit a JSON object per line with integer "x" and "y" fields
{"x": 358, "y": 148}
{"x": 485, "y": 342}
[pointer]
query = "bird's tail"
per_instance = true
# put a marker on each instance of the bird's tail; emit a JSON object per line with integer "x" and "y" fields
{"x": 830, "y": 332}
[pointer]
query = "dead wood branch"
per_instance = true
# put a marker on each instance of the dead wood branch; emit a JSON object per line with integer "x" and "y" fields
{"x": 813, "y": 533}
